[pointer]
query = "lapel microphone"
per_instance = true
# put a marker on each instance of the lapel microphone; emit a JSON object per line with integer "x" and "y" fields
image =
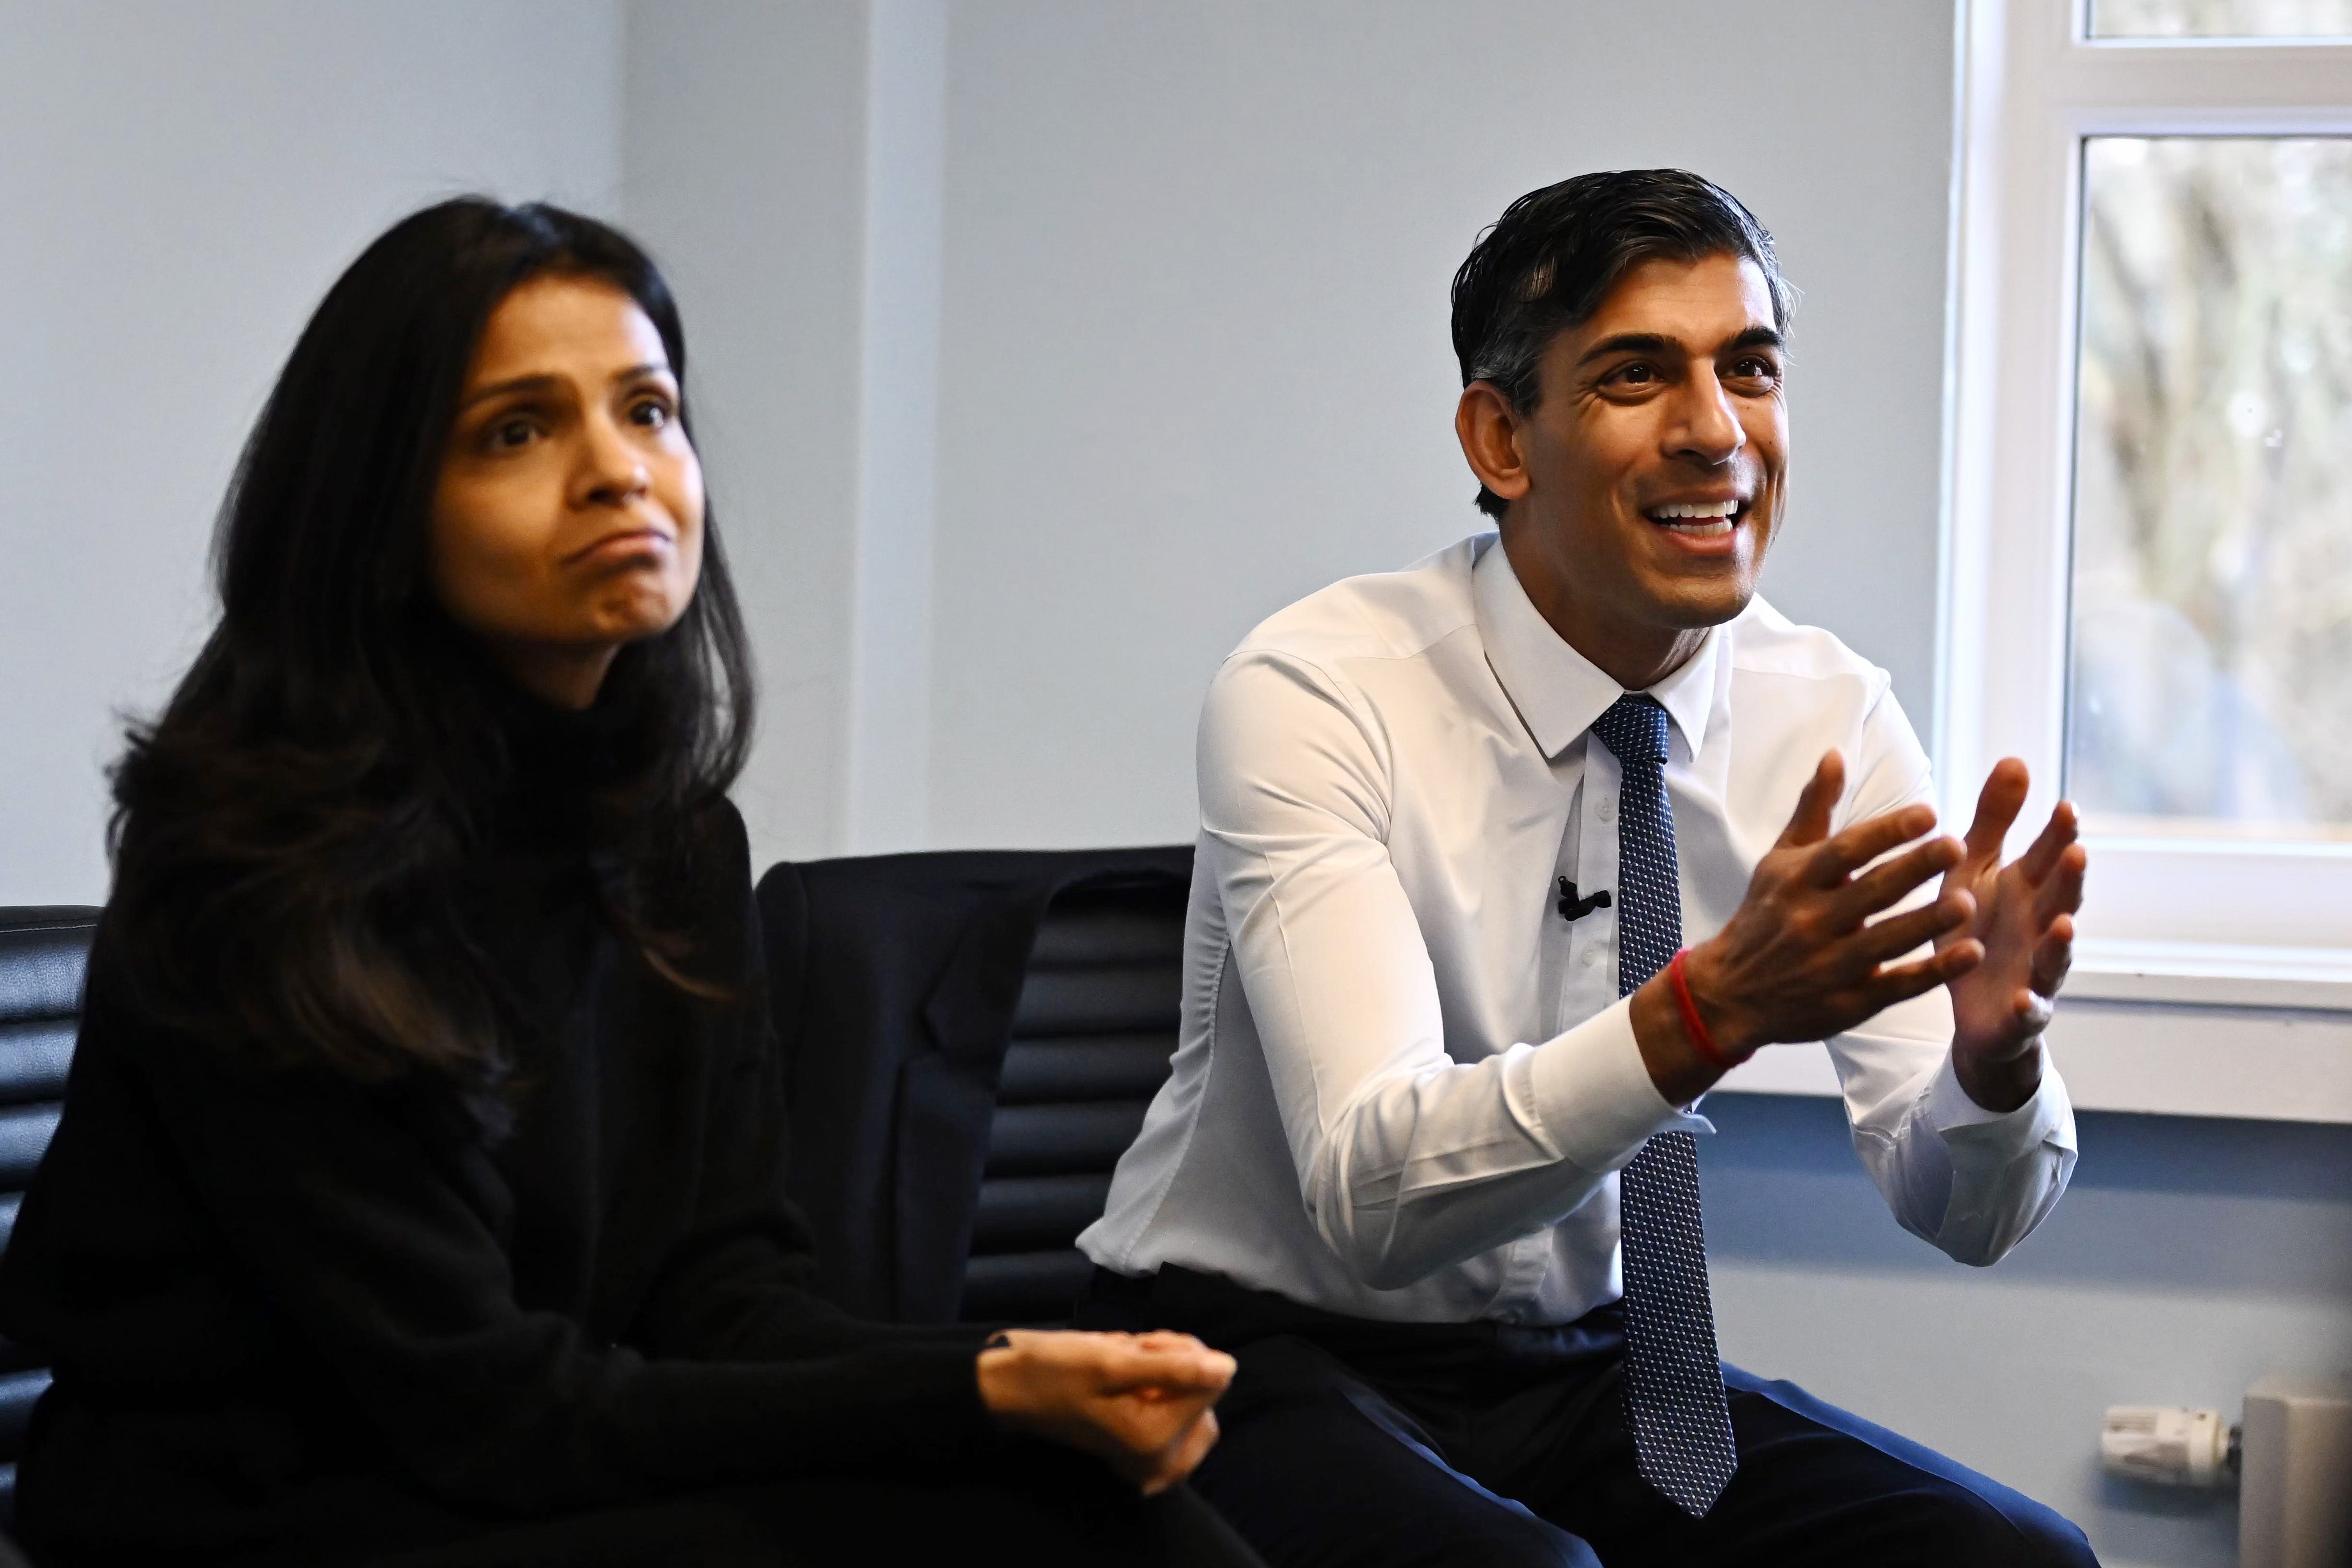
{"x": 1572, "y": 907}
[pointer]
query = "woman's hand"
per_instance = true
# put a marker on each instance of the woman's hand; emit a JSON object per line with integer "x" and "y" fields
{"x": 1138, "y": 1402}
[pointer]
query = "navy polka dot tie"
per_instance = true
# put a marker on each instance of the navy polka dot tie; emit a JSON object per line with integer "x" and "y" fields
{"x": 1674, "y": 1377}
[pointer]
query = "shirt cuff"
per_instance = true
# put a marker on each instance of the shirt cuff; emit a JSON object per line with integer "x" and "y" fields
{"x": 1591, "y": 1094}
{"x": 2047, "y": 1118}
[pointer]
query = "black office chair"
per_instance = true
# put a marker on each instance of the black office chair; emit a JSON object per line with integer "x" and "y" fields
{"x": 972, "y": 1038}
{"x": 1088, "y": 1047}
{"x": 43, "y": 952}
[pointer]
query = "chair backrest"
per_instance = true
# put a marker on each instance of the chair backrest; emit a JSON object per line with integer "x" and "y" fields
{"x": 970, "y": 1039}
{"x": 43, "y": 954}
{"x": 1091, "y": 1043}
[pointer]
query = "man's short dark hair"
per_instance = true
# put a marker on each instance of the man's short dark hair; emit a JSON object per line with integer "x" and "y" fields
{"x": 1554, "y": 254}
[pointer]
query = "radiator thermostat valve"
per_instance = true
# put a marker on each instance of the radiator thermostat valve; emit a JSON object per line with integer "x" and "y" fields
{"x": 2168, "y": 1445}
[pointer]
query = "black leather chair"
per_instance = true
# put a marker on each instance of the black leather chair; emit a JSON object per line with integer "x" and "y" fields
{"x": 1088, "y": 1047}
{"x": 43, "y": 953}
{"x": 971, "y": 1040}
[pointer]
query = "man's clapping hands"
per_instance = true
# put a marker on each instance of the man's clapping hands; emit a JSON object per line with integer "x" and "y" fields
{"x": 1812, "y": 950}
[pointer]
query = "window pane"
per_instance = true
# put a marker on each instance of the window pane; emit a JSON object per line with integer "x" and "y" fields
{"x": 2220, "y": 18}
{"x": 2211, "y": 687}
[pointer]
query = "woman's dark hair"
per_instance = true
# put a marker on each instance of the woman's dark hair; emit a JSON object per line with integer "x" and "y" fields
{"x": 1552, "y": 258}
{"x": 286, "y": 835}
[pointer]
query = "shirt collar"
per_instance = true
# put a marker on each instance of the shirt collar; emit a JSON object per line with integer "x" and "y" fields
{"x": 1558, "y": 691}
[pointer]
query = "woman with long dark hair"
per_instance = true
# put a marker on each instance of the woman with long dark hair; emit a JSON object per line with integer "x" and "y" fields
{"x": 416, "y": 1197}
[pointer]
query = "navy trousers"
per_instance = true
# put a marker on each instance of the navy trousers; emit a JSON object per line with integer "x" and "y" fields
{"x": 1389, "y": 1445}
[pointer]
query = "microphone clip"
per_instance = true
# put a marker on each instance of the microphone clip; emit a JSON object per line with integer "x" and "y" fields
{"x": 1572, "y": 907}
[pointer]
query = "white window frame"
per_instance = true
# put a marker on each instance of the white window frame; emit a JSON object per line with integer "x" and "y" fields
{"x": 2230, "y": 924}
{"x": 2211, "y": 979}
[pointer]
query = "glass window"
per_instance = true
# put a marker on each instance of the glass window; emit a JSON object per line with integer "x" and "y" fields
{"x": 2212, "y": 680}
{"x": 2220, "y": 18}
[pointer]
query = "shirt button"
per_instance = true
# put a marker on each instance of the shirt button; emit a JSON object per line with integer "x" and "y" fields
{"x": 1605, "y": 811}
{"x": 1591, "y": 956}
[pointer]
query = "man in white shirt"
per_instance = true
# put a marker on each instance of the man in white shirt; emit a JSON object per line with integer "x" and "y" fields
{"x": 1505, "y": 859}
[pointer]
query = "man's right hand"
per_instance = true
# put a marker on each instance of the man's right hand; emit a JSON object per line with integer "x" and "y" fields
{"x": 1803, "y": 959}
{"x": 1141, "y": 1403}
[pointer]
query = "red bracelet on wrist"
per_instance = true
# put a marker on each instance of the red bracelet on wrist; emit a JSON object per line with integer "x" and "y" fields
{"x": 1693, "y": 1024}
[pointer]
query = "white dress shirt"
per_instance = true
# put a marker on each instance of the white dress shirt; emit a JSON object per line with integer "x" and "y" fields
{"x": 1404, "y": 1084}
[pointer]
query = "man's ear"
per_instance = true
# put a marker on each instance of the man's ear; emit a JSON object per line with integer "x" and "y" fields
{"x": 1488, "y": 428}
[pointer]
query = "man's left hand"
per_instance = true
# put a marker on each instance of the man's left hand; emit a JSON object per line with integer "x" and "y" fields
{"x": 2024, "y": 920}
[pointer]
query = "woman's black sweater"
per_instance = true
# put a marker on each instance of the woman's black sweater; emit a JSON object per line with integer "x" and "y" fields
{"x": 287, "y": 1311}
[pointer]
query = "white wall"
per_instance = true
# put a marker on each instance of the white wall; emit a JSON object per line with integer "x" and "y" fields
{"x": 745, "y": 173}
{"x": 1196, "y": 359}
{"x": 181, "y": 184}
{"x": 1191, "y": 358}
{"x": 784, "y": 160}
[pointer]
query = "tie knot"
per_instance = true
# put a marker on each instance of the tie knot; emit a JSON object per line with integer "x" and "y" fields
{"x": 1633, "y": 729}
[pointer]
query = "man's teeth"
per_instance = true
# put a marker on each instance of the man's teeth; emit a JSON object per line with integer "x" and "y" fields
{"x": 1698, "y": 520}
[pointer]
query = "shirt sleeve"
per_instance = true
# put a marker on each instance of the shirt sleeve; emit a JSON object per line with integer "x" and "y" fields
{"x": 1971, "y": 1182}
{"x": 1408, "y": 1160}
